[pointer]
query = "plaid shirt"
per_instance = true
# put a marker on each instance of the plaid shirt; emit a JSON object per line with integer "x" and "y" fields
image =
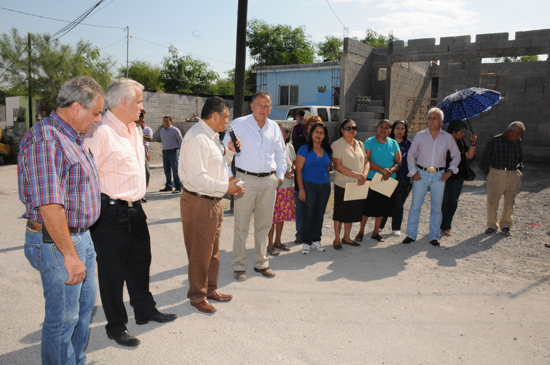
{"x": 500, "y": 153}
{"x": 53, "y": 168}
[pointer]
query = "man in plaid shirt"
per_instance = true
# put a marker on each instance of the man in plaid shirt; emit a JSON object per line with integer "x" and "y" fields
{"x": 59, "y": 185}
{"x": 502, "y": 162}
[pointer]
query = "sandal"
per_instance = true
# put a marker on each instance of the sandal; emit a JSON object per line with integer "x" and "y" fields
{"x": 283, "y": 247}
{"x": 351, "y": 243}
{"x": 273, "y": 251}
{"x": 359, "y": 237}
{"x": 337, "y": 247}
{"x": 378, "y": 238}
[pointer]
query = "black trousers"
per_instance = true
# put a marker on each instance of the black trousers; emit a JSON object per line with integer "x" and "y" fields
{"x": 123, "y": 246}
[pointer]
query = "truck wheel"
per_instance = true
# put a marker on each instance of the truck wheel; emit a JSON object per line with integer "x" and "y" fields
{"x": 15, "y": 143}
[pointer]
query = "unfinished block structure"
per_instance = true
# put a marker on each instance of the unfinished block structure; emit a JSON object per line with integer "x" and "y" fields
{"x": 404, "y": 81}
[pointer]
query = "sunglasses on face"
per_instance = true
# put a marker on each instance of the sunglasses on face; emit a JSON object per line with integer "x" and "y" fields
{"x": 348, "y": 128}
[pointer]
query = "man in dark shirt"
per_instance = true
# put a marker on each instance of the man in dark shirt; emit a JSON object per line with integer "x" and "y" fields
{"x": 502, "y": 162}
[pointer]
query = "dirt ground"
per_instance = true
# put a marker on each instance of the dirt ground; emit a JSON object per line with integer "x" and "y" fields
{"x": 477, "y": 299}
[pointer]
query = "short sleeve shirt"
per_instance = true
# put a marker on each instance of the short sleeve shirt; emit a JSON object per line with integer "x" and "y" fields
{"x": 353, "y": 159}
{"x": 382, "y": 154}
{"x": 315, "y": 168}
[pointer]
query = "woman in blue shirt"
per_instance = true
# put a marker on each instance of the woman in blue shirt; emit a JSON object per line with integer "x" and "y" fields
{"x": 384, "y": 157}
{"x": 312, "y": 172}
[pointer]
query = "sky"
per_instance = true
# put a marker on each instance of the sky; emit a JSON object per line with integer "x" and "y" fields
{"x": 207, "y": 28}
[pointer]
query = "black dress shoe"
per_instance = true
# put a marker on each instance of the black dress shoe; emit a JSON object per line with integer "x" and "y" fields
{"x": 408, "y": 240}
{"x": 434, "y": 242}
{"x": 166, "y": 189}
{"x": 158, "y": 317}
{"x": 125, "y": 339}
{"x": 143, "y": 200}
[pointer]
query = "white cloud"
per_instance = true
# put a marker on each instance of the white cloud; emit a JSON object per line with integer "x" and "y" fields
{"x": 411, "y": 19}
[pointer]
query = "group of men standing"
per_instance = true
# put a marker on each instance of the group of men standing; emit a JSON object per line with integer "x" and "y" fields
{"x": 83, "y": 186}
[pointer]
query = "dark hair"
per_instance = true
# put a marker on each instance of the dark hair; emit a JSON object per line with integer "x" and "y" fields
{"x": 167, "y": 117}
{"x": 325, "y": 143}
{"x": 142, "y": 114}
{"x": 213, "y": 105}
{"x": 342, "y": 125}
{"x": 456, "y": 125}
{"x": 302, "y": 113}
{"x": 261, "y": 93}
{"x": 395, "y": 124}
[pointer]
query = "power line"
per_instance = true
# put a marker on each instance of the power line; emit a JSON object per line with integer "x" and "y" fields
{"x": 336, "y": 15}
{"x": 61, "y": 20}
{"x": 66, "y": 29}
{"x": 114, "y": 43}
{"x": 194, "y": 54}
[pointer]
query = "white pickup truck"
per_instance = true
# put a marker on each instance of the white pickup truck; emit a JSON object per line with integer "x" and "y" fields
{"x": 326, "y": 113}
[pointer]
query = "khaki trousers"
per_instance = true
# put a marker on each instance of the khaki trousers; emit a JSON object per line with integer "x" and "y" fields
{"x": 202, "y": 222}
{"x": 259, "y": 195}
{"x": 500, "y": 182}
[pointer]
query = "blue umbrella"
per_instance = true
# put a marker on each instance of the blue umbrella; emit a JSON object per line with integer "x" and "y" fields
{"x": 468, "y": 103}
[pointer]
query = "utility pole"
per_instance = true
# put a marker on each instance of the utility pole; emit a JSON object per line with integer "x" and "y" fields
{"x": 127, "y": 51}
{"x": 240, "y": 60}
{"x": 29, "y": 75}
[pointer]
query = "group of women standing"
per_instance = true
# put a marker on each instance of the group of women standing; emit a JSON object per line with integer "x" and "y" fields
{"x": 355, "y": 162}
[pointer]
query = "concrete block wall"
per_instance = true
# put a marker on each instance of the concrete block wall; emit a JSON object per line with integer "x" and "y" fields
{"x": 184, "y": 109}
{"x": 409, "y": 80}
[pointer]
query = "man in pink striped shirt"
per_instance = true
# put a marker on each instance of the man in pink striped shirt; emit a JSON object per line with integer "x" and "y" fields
{"x": 121, "y": 236}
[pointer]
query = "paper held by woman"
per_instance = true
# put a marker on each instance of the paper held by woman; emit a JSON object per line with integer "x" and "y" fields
{"x": 356, "y": 192}
{"x": 383, "y": 187}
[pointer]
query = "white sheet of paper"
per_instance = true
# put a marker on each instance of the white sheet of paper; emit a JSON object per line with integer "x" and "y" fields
{"x": 354, "y": 192}
{"x": 383, "y": 187}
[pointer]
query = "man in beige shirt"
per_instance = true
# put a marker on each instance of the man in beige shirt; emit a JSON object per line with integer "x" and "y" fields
{"x": 203, "y": 172}
{"x": 121, "y": 237}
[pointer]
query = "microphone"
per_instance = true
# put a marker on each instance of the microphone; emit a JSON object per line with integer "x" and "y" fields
{"x": 231, "y": 132}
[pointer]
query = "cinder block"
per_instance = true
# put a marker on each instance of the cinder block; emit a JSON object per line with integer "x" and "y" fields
{"x": 536, "y": 80}
{"x": 534, "y": 87}
{"x": 459, "y": 87}
{"x": 474, "y": 73}
{"x": 453, "y": 65}
{"x": 421, "y": 42}
{"x": 457, "y": 47}
{"x": 517, "y": 88}
{"x": 483, "y": 37}
{"x": 488, "y": 45}
{"x": 533, "y": 95}
{"x": 541, "y": 33}
{"x": 461, "y": 73}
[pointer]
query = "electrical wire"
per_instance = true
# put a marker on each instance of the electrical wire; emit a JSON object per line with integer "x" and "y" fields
{"x": 335, "y": 14}
{"x": 114, "y": 43}
{"x": 61, "y": 20}
{"x": 66, "y": 29}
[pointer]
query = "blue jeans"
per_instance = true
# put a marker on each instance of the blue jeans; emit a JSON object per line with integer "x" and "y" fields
{"x": 314, "y": 210}
{"x": 170, "y": 162}
{"x": 299, "y": 216}
{"x": 453, "y": 188}
{"x": 68, "y": 307}
{"x": 420, "y": 188}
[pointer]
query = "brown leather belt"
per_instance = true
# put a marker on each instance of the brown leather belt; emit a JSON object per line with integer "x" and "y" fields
{"x": 37, "y": 227}
{"x": 201, "y": 196}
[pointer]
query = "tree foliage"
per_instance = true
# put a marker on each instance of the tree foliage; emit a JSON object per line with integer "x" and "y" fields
{"x": 186, "y": 74}
{"x": 377, "y": 40}
{"x": 279, "y": 44}
{"x": 52, "y": 64}
{"x": 516, "y": 59}
{"x": 145, "y": 73}
{"x": 330, "y": 49}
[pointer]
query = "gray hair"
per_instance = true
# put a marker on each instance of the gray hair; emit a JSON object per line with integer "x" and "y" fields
{"x": 82, "y": 89}
{"x": 287, "y": 128}
{"x": 263, "y": 94}
{"x": 120, "y": 88}
{"x": 438, "y": 111}
{"x": 516, "y": 126}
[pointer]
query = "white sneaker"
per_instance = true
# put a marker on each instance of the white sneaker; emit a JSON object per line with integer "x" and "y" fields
{"x": 305, "y": 248}
{"x": 317, "y": 245}
{"x": 397, "y": 233}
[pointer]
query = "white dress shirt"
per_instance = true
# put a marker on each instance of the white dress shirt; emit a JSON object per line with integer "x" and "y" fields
{"x": 429, "y": 152}
{"x": 202, "y": 165}
{"x": 262, "y": 150}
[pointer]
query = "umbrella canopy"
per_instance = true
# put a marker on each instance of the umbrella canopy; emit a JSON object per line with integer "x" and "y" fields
{"x": 468, "y": 103}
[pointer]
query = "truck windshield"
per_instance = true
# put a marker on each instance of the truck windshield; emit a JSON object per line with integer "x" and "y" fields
{"x": 291, "y": 115}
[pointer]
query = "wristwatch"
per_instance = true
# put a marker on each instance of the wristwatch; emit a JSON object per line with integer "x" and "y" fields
{"x": 449, "y": 170}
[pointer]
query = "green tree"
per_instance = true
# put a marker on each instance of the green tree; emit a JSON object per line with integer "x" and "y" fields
{"x": 52, "y": 64}
{"x": 186, "y": 74}
{"x": 249, "y": 81}
{"x": 377, "y": 40}
{"x": 279, "y": 44}
{"x": 516, "y": 59}
{"x": 143, "y": 72}
{"x": 330, "y": 49}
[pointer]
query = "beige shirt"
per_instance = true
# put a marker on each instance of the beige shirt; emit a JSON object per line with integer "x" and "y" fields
{"x": 353, "y": 159}
{"x": 290, "y": 158}
{"x": 202, "y": 166}
{"x": 120, "y": 158}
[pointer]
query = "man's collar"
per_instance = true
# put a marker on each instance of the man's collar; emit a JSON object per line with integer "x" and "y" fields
{"x": 115, "y": 123}
{"x": 64, "y": 125}
{"x": 207, "y": 129}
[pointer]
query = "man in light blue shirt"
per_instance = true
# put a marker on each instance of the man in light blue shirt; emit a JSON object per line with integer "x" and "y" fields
{"x": 261, "y": 164}
{"x": 170, "y": 137}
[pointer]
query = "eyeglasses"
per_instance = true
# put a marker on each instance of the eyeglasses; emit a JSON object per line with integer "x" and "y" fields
{"x": 348, "y": 128}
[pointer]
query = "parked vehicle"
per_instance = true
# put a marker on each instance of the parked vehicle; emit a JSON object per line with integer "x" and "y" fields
{"x": 326, "y": 113}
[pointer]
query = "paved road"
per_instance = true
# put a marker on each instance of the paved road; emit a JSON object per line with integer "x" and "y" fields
{"x": 377, "y": 304}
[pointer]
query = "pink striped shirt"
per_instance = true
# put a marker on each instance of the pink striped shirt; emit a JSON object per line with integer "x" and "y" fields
{"x": 120, "y": 158}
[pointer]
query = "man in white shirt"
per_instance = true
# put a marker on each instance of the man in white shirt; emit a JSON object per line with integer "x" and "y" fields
{"x": 261, "y": 164}
{"x": 205, "y": 180}
{"x": 427, "y": 159}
